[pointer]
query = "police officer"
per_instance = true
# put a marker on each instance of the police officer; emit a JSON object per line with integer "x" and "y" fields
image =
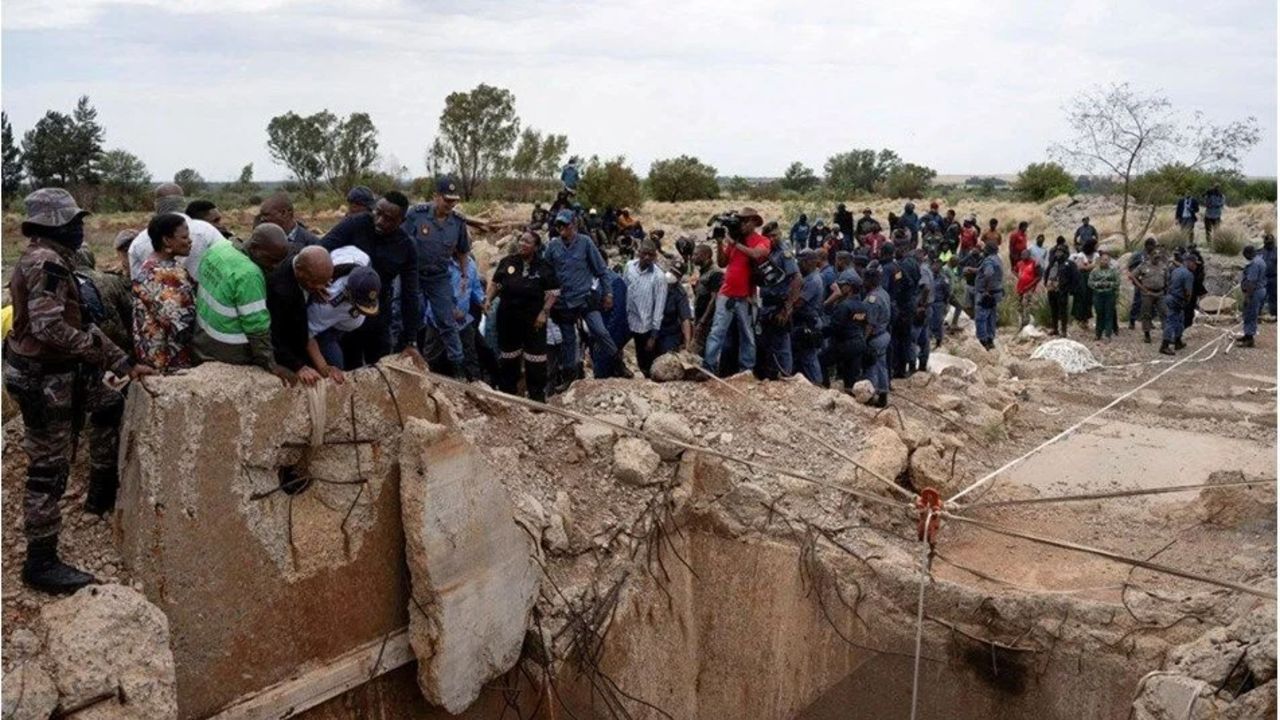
{"x": 847, "y": 346}
{"x": 897, "y": 287}
{"x": 879, "y": 315}
{"x": 778, "y": 299}
{"x": 440, "y": 235}
{"x": 53, "y": 367}
{"x": 940, "y": 299}
{"x": 578, "y": 265}
{"x": 808, "y": 318}
{"x": 1253, "y": 286}
{"x": 1269, "y": 257}
{"x": 924, "y": 306}
{"x": 910, "y": 266}
{"x": 1179, "y": 294}
{"x": 988, "y": 290}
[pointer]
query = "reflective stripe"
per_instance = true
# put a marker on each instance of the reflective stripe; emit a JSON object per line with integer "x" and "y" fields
{"x": 535, "y": 358}
{"x": 229, "y": 338}
{"x": 510, "y": 355}
{"x": 223, "y": 310}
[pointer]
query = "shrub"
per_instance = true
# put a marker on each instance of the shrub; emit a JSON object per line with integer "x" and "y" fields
{"x": 682, "y": 178}
{"x": 1041, "y": 181}
{"x": 1227, "y": 241}
{"x": 611, "y": 183}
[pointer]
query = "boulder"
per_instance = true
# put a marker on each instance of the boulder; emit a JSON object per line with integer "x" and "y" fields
{"x": 1036, "y": 370}
{"x": 672, "y": 425}
{"x": 947, "y": 402}
{"x": 29, "y": 693}
{"x": 931, "y": 467}
{"x": 473, "y": 582}
{"x": 863, "y": 391}
{"x": 635, "y": 462}
{"x": 667, "y": 368}
{"x": 1217, "y": 304}
{"x": 883, "y": 453}
{"x": 593, "y": 438}
{"x": 107, "y": 640}
{"x": 952, "y": 366}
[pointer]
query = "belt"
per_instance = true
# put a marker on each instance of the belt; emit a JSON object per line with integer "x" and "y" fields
{"x": 43, "y": 367}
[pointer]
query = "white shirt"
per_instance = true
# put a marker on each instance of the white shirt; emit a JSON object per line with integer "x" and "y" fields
{"x": 646, "y": 296}
{"x": 336, "y": 313}
{"x": 203, "y": 235}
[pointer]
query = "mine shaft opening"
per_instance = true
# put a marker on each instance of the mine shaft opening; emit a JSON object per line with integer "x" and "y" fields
{"x": 293, "y": 479}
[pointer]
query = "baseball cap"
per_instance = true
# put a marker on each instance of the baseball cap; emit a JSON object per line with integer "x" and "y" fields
{"x": 364, "y": 286}
{"x": 361, "y": 195}
{"x": 564, "y": 217}
{"x": 848, "y": 277}
{"x": 51, "y": 207}
{"x": 446, "y": 188}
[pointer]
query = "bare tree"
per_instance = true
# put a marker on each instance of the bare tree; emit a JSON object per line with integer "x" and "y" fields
{"x": 1123, "y": 132}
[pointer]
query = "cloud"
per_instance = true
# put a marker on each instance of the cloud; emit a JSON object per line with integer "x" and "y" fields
{"x": 965, "y": 86}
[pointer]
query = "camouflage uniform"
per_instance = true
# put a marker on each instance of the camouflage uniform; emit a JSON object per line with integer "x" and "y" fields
{"x": 114, "y": 310}
{"x": 53, "y": 366}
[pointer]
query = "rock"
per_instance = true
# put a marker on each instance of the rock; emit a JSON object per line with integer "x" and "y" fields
{"x": 107, "y": 639}
{"x": 970, "y": 349}
{"x": 593, "y": 438}
{"x": 920, "y": 380}
{"x": 670, "y": 425}
{"x": 1030, "y": 333}
{"x": 726, "y": 438}
{"x": 473, "y": 582}
{"x": 29, "y": 693}
{"x": 556, "y": 537}
{"x": 1037, "y": 370}
{"x": 950, "y": 365}
{"x": 23, "y": 643}
{"x": 704, "y": 475}
{"x": 863, "y": 391}
{"x": 1261, "y": 659}
{"x": 883, "y": 453}
{"x": 931, "y": 467}
{"x": 947, "y": 402}
{"x": 639, "y": 406}
{"x": 635, "y": 462}
{"x": 825, "y": 401}
{"x": 746, "y": 506}
{"x": 667, "y": 368}
{"x": 1216, "y": 304}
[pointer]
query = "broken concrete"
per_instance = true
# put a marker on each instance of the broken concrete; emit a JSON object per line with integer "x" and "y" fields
{"x": 473, "y": 581}
{"x": 668, "y": 424}
{"x": 883, "y": 453}
{"x": 635, "y": 462}
{"x": 29, "y": 693}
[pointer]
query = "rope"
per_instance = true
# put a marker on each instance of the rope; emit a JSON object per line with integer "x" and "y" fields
{"x": 1024, "y": 588}
{"x": 501, "y": 397}
{"x": 1069, "y": 431}
{"x": 1116, "y": 494}
{"x": 925, "y": 563}
{"x": 1115, "y": 557}
{"x": 811, "y": 435}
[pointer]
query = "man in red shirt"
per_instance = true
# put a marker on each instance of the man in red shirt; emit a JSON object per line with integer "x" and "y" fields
{"x": 968, "y": 235}
{"x": 873, "y": 241}
{"x": 1017, "y": 243}
{"x": 1028, "y": 273}
{"x": 733, "y": 303}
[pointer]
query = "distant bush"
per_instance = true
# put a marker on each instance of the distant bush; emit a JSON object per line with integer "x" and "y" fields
{"x": 610, "y": 184}
{"x": 1227, "y": 241}
{"x": 1040, "y": 181}
{"x": 682, "y": 178}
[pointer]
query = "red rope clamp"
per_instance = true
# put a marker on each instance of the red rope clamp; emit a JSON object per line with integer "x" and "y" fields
{"x": 928, "y": 501}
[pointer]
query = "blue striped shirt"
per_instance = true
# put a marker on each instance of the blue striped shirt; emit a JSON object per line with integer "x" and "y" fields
{"x": 646, "y": 296}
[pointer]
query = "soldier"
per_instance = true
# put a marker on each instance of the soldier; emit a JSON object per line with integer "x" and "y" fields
{"x": 53, "y": 367}
{"x": 988, "y": 289}
{"x": 879, "y": 315}
{"x": 1135, "y": 261}
{"x": 1253, "y": 287}
{"x": 1180, "y": 294}
{"x": 108, "y": 296}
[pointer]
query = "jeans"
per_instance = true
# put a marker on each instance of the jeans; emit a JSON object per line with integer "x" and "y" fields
{"x": 937, "y": 314}
{"x": 1173, "y": 321}
{"x": 920, "y": 336}
{"x": 879, "y": 375}
{"x": 568, "y": 324}
{"x": 438, "y": 291}
{"x": 331, "y": 347}
{"x": 727, "y": 310}
{"x": 1252, "y": 309}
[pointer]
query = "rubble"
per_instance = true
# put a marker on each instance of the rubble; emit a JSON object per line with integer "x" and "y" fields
{"x": 635, "y": 462}
{"x": 883, "y": 453}
{"x": 669, "y": 424}
{"x": 29, "y": 693}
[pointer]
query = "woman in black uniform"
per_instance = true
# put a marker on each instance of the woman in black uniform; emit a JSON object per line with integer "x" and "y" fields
{"x": 526, "y": 287}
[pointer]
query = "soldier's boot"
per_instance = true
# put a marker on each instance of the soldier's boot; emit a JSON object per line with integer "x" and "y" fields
{"x": 1146, "y": 336}
{"x": 1245, "y": 341}
{"x": 43, "y": 570}
{"x": 103, "y": 485}
{"x": 881, "y": 400}
{"x": 1178, "y": 344}
{"x": 1165, "y": 349}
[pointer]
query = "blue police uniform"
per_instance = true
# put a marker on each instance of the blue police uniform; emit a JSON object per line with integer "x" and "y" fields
{"x": 879, "y": 315}
{"x": 920, "y": 321}
{"x": 906, "y": 360}
{"x": 1269, "y": 257}
{"x": 988, "y": 290}
{"x": 1253, "y": 284}
{"x": 806, "y": 333}
{"x": 576, "y": 265}
{"x": 800, "y": 234}
{"x": 938, "y": 307}
{"x": 1182, "y": 284}
{"x": 437, "y": 241}
{"x": 828, "y": 275}
{"x": 895, "y": 284}
{"x": 847, "y": 349}
{"x": 774, "y": 343}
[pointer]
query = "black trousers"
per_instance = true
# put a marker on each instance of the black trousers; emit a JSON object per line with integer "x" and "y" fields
{"x": 849, "y": 359}
{"x": 644, "y": 356}
{"x": 1059, "y": 317}
{"x": 521, "y": 344}
{"x": 367, "y": 344}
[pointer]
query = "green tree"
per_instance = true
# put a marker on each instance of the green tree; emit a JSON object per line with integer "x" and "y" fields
{"x": 124, "y": 179}
{"x": 1040, "y": 181}
{"x": 351, "y": 150}
{"x": 682, "y": 178}
{"x": 64, "y": 150}
{"x": 859, "y": 170}
{"x": 88, "y": 139}
{"x": 609, "y": 184}
{"x": 477, "y": 132}
{"x": 192, "y": 182}
{"x": 909, "y": 181}
{"x": 12, "y": 178}
{"x": 298, "y": 143}
{"x": 799, "y": 178}
{"x": 737, "y": 186}
{"x": 537, "y": 157}
{"x": 244, "y": 184}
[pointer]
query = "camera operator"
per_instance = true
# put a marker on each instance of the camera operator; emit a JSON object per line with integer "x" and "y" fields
{"x": 739, "y": 251}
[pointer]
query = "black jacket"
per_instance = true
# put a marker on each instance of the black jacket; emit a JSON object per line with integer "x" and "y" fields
{"x": 392, "y": 256}
{"x": 287, "y": 304}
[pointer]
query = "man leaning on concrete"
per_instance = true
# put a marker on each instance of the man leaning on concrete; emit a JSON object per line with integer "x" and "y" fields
{"x": 54, "y": 361}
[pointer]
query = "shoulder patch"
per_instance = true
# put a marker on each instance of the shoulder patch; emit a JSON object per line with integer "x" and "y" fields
{"x": 871, "y": 298}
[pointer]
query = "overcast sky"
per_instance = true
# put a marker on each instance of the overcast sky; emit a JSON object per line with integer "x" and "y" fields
{"x": 965, "y": 86}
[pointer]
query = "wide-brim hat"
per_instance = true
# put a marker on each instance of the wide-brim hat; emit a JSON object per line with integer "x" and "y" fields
{"x": 750, "y": 212}
{"x": 51, "y": 207}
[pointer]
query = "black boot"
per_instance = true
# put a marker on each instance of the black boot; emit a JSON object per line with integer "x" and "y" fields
{"x": 1146, "y": 336}
{"x": 1178, "y": 344}
{"x": 1245, "y": 341}
{"x": 101, "y": 497}
{"x": 45, "y": 572}
{"x": 1165, "y": 349}
{"x": 881, "y": 400}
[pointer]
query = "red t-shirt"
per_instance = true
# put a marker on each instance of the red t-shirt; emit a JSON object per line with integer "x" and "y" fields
{"x": 1017, "y": 244}
{"x": 1028, "y": 276}
{"x": 968, "y": 238}
{"x": 874, "y": 241}
{"x": 737, "y": 272}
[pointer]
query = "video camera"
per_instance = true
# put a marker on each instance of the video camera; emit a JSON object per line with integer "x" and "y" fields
{"x": 726, "y": 223}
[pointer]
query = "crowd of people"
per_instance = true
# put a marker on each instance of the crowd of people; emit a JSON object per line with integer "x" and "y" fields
{"x": 836, "y": 303}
